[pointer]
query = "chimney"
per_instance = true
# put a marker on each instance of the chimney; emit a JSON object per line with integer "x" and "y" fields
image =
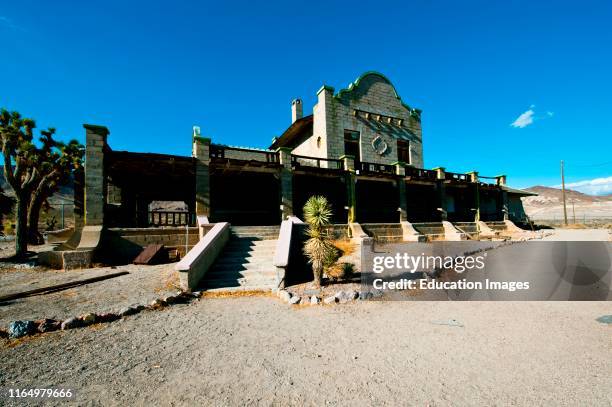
{"x": 296, "y": 110}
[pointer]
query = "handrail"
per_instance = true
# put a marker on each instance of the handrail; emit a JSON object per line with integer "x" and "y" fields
{"x": 421, "y": 173}
{"x": 283, "y": 249}
{"x": 200, "y": 258}
{"x": 218, "y": 151}
{"x": 295, "y": 162}
{"x": 454, "y": 176}
{"x": 170, "y": 218}
{"x": 376, "y": 168}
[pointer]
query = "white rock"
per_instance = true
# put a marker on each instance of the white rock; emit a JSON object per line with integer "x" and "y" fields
{"x": 314, "y": 300}
{"x": 330, "y": 300}
{"x": 284, "y": 295}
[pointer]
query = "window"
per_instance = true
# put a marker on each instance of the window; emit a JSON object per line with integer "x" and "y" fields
{"x": 403, "y": 151}
{"x": 351, "y": 145}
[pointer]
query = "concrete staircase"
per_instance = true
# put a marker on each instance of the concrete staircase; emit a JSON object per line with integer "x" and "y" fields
{"x": 246, "y": 261}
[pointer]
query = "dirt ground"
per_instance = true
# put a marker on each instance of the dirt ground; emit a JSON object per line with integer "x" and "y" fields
{"x": 258, "y": 351}
{"x": 142, "y": 285}
{"x": 580, "y": 235}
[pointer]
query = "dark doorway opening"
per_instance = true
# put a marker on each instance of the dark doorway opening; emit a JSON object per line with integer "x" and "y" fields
{"x": 491, "y": 205}
{"x": 377, "y": 201}
{"x": 351, "y": 145}
{"x": 332, "y": 188}
{"x": 460, "y": 204}
{"x": 244, "y": 198}
{"x": 422, "y": 203}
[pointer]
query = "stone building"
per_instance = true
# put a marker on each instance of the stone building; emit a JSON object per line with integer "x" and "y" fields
{"x": 362, "y": 148}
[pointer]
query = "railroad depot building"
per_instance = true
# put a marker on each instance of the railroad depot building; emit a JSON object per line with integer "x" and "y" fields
{"x": 362, "y": 148}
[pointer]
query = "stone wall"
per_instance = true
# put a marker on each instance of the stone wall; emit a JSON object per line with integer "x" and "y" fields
{"x": 371, "y": 95}
{"x": 95, "y": 194}
{"x": 246, "y": 155}
{"x": 122, "y": 245}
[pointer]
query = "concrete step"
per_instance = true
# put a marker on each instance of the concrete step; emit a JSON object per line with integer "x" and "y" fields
{"x": 262, "y": 237}
{"x": 263, "y": 273}
{"x": 230, "y": 267}
{"x": 248, "y": 253}
{"x": 257, "y": 232}
{"x": 249, "y": 228}
{"x": 240, "y": 244}
{"x": 240, "y": 282}
{"x": 244, "y": 259}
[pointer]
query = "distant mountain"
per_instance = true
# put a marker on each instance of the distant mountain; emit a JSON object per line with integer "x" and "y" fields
{"x": 550, "y": 196}
{"x": 65, "y": 193}
{"x": 584, "y": 208}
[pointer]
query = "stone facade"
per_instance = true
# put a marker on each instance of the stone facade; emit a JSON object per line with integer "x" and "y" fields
{"x": 371, "y": 109}
{"x": 362, "y": 148}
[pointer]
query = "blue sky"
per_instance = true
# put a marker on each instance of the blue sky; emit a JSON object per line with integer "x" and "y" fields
{"x": 151, "y": 70}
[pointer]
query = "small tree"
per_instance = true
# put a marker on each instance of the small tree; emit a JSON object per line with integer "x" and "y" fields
{"x": 19, "y": 154}
{"x": 57, "y": 163}
{"x": 318, "y": 247}
{"x": 33, "y": 173}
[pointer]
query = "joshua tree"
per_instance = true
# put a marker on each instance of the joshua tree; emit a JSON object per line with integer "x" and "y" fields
{"x": 32, "y": 172}
{"x": 19, "y": 155}
{"x": 318, "y": 247}
{"x": 58, "y": 161}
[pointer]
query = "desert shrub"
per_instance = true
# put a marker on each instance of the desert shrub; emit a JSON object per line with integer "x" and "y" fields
{"x": 318, "y": 248}
{"x": 341, "y": 271}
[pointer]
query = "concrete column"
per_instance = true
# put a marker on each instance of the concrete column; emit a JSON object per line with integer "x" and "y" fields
{"x": 286, "y": 182}
{"x": 441, "y": 172}
{"x": 323, "y": 124}
{"x": 441, "y": 188}
{"x": 79, "y": 198}
{"x": 442, "y": 205}
{"x": 501, "y": 182}
{"x": 400, "y": 170}
{"x": 403, "y": 202}
{"x": 201, "y": 152}
{"x": 95, "y": 182}
{"x": 349, "y": 168}
{"x": 473, "y": 177}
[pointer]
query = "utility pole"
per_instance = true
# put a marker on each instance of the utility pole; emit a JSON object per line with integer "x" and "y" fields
{"x": 574, "y": 210}
{"x": 563, "y": 192}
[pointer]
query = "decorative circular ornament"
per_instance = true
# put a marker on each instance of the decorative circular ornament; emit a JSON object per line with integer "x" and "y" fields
{"x": 379, "y": 145}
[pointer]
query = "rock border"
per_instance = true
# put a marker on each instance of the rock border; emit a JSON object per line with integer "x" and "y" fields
{"x": 341, "y": 297}
{"x": 22, "y": 328}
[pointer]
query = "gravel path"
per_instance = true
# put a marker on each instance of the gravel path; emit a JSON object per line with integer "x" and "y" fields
{"x": 237, "y": 351}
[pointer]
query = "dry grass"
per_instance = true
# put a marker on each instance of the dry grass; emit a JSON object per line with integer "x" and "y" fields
{"x": 173, "y": 281}
{"x": 346, "y": 246}
{"x": 575, "y": 226}
{"x": 246, "y": 293}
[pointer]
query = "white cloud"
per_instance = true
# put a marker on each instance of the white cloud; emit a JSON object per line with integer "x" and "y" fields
{"x": 524, "y": 120}
{"x": 597, "y": 186}
{"x": 8, "y": 23}
{"x": 528, "y": 117}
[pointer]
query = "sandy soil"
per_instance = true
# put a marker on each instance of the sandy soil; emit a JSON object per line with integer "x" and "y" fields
{"x": 580, "y": 235}
{"x": 258, "y": 351}
{"x": 142, "y": 285}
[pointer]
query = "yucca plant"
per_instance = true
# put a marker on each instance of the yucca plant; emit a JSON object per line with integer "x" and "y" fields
{"x": 318, "y": 247}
